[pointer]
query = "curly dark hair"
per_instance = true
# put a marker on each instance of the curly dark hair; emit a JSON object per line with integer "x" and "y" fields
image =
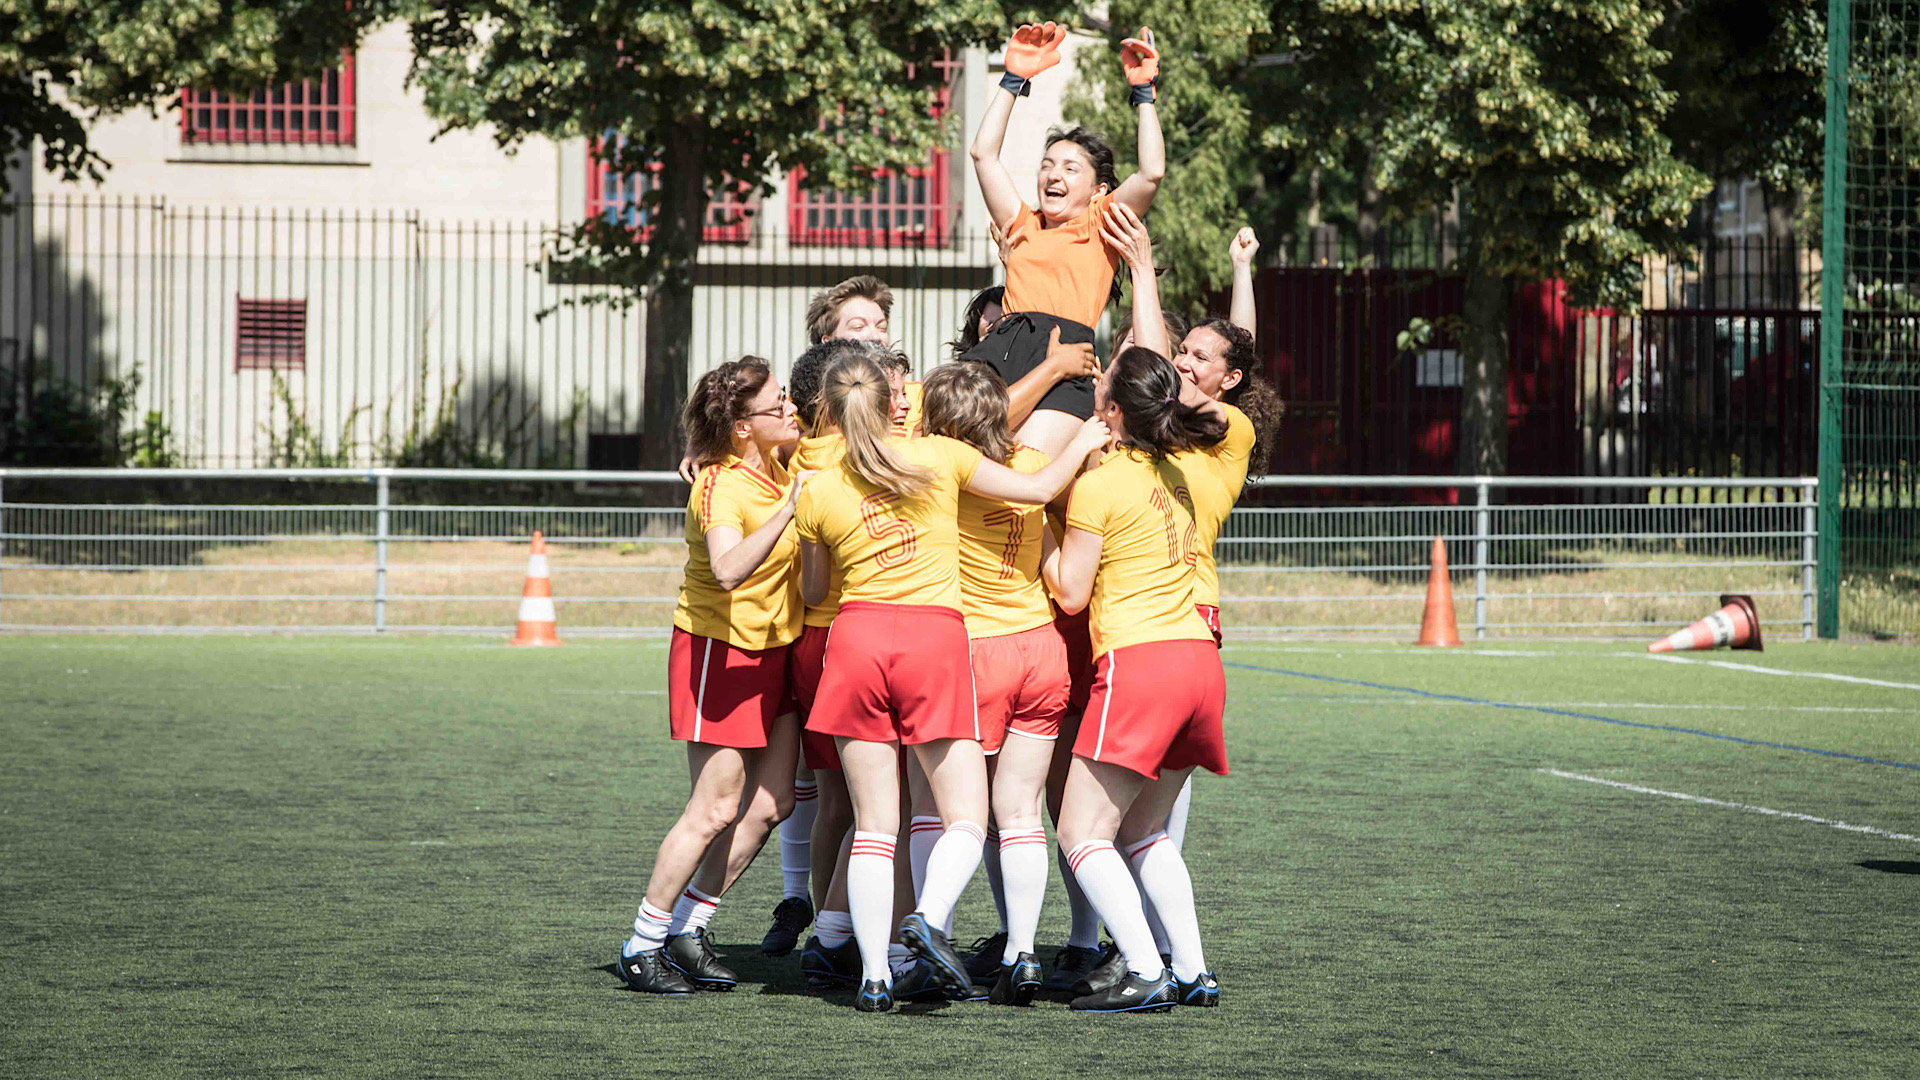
{"x": 719, "y": 398}
{"x": 969, "y": 335}
{"x": 1252, "y": 395}
{"x": 808, "y": 374}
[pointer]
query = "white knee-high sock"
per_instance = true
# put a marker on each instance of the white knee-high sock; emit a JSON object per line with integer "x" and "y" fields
{"x": 796, "y": 839}
{"x": 1109, "y": 884}
{"x": 870, "y": 900}
{"x": 1023, "y": 867}
{"x": 990, "y": 861}
{"x": 922, "y": 833}
{"x": 1164, "y": 882}
{"x": 693, "y": 912}
{"x": 1177, "y": 817}
{"x": 833, "y": 928}
{"x": 649, "y": 930}
{"x": 950, "y": 865}
{"x": 1085, "y": 932}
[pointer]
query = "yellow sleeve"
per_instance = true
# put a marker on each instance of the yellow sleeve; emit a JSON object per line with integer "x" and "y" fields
{"x": 718, "y": 506}
{"x": 962, "y": 460}
{"x": 806, "y": 515}
{"x": 1238, "y": 445}
{"x": 1088, "y": 507}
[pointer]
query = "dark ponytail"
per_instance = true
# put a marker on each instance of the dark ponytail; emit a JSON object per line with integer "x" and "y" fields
{"x": 1146, "y": 388}
{"x": 1252, "y": 395}
{"x": 720, "y": 398}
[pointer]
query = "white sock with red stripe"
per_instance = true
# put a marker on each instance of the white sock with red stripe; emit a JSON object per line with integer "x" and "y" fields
{"x": 1109, "y": 885}
{"x": 922, "y": 833}
{"x": 990, "y": 861}
{"x": 1177, "y": 817}
{"x": 649, "y": 930}
{"x": 1164, "y": 882}
{"x": 796, "y": 840}
{"x": 1023, "y": 865}
{"x": 833, "y": 928}
{"x": 950, "y": 865}
{"x": 693, "y": 912}
{"x": 870, "y": 900}
{"x": 1085, "y": 930}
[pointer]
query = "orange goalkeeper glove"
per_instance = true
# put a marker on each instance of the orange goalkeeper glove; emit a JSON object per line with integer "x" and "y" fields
{"x": 1142, "y": 64}
{"x": 1032, "y": 50}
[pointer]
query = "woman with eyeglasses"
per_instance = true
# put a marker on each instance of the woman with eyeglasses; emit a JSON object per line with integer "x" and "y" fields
{"x": 738, "y": 614}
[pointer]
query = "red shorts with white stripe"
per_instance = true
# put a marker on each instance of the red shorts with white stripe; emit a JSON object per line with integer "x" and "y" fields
{"x": 722, "y": 695}
{"x": 1077, "y": 632}
{"x": 896, "y": 672}
{"x": 805, "y": 666}
{"x": 1157, "y": 705}
{"x": 1020, "y": 684}
{"x": 1212, "y": 616}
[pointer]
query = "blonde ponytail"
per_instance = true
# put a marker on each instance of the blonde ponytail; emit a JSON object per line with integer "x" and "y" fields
{"x": 856, "y": 397}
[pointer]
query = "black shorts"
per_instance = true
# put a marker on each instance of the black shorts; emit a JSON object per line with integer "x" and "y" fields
{"x": 1018, "y": 343}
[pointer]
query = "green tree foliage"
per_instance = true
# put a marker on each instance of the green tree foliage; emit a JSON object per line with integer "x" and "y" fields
{"x": 713, "y": 93}
{"x": 64, "y": 64}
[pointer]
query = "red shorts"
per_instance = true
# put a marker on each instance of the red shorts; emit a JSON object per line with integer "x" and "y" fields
{"x": 1077, "y": 632}
{"x": 1211, "y": 614}
{"x": 896, "y": 671}
{"x": 809, "y": 658}
{"x": 722, "y": 695}
{"x": 1157, "y": 705}
{"x": 1020, "y": 684}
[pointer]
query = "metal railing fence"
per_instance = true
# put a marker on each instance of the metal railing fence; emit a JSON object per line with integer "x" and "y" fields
{"x": 383, "y": 555}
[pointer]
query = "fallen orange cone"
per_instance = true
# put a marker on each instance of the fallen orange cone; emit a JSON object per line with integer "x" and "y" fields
{"x": 1736, "y": 625}
{"x": 1437, "y": 626}
{"x": 537, "y": 625}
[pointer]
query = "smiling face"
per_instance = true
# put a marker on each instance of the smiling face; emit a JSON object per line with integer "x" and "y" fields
{"x": 1202, "y": 361}
{"x": 861, "y": 320}
{"x": 770, "y": 423}
{"x": 1067, "y": 182}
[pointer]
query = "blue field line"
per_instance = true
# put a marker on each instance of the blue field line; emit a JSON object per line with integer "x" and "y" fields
{"x": 1566, "y": 712}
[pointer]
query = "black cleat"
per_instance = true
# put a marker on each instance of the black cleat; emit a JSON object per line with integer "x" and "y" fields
{"x": 791, "y": 917}
{"x": 874, "y": 996}
{"x": 983, "y": 962}
{"x": 649, "y": 973}
{"x": 826, "y": 967}
{"x": 1018, "y": 981}
{"x": 1070, "y": 965}
{"x": 926, "y": 941}
{"x": 692, "y": 957}
{"x": 1111, "y": 970}
{"x": 916, "y": 983}
{"x": 1202, "y": 993}
{"x": 1135, "y": 993}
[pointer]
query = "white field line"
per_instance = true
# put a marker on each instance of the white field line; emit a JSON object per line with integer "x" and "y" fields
{"x": 1758, "y": 670}
{"x": 1383, "y": 699}
{"x": 1703, "y": 800}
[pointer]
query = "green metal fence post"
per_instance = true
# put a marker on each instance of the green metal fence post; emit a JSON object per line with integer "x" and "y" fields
{"x": 1833, "y": 292}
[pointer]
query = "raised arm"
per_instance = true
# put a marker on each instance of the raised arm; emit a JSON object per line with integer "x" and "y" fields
{"x": 1141, "y": 60}
{"x": 1126, "y": 234}
{"x": 1063, "y": 362}
{"x": 1032, "y": 50}
{"x": 1241, "y": 249}
{"x": 993, "y": 480}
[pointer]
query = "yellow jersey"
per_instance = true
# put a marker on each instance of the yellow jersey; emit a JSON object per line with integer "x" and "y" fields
{"x": 1000, "y": 588}
{"x": 893, "y": 550}
{"x": 1210, "y": 495}
{"x": 820, "y": 453}
{"x": 764, "y": 610}
{"x": 1143, "y": 590}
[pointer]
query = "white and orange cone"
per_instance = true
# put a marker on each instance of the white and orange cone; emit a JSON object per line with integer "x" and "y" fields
{"x": 537, "y": 625}
{"x": 1437, "y": 625}
{"x": 1736, "y": 625}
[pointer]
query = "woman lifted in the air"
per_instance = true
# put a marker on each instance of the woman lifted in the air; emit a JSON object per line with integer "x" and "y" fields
{"x": 1059, "y": 272}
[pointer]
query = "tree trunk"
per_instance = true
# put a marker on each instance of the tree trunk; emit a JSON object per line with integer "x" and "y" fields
{"x": 1483, "y": 391}
{"x": 1783, "y": 253}
{"x": 1367, "y": 215}
{"x": 677, "y": 223}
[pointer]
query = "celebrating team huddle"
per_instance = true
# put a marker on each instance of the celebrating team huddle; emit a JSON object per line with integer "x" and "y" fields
{"x": 876, "y": 565}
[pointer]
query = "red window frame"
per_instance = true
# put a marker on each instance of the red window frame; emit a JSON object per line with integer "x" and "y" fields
{"x": 617, "y": 199}
{"x": 269, "y": 334}
{"x": 913, "y": 207}
{"x": 311, "y": 112}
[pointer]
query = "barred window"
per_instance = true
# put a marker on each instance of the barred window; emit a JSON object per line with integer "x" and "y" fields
{"x": 270, "y": 334}
{"x": 318, "y": 111}
{"x": 914, "y": 207}
{"x": 619, "y": 198}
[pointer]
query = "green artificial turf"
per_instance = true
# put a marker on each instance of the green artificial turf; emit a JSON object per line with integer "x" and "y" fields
{"x": 408, "y": 858}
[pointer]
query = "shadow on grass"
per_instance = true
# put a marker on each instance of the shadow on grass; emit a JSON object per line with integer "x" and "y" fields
{"x": 1890, "y": 866}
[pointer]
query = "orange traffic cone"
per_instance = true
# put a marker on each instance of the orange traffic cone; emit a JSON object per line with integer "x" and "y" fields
{"x": 537, "y": 626}
{"x": 1436, "y": 625}
{"x": 1736, "y": 624}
